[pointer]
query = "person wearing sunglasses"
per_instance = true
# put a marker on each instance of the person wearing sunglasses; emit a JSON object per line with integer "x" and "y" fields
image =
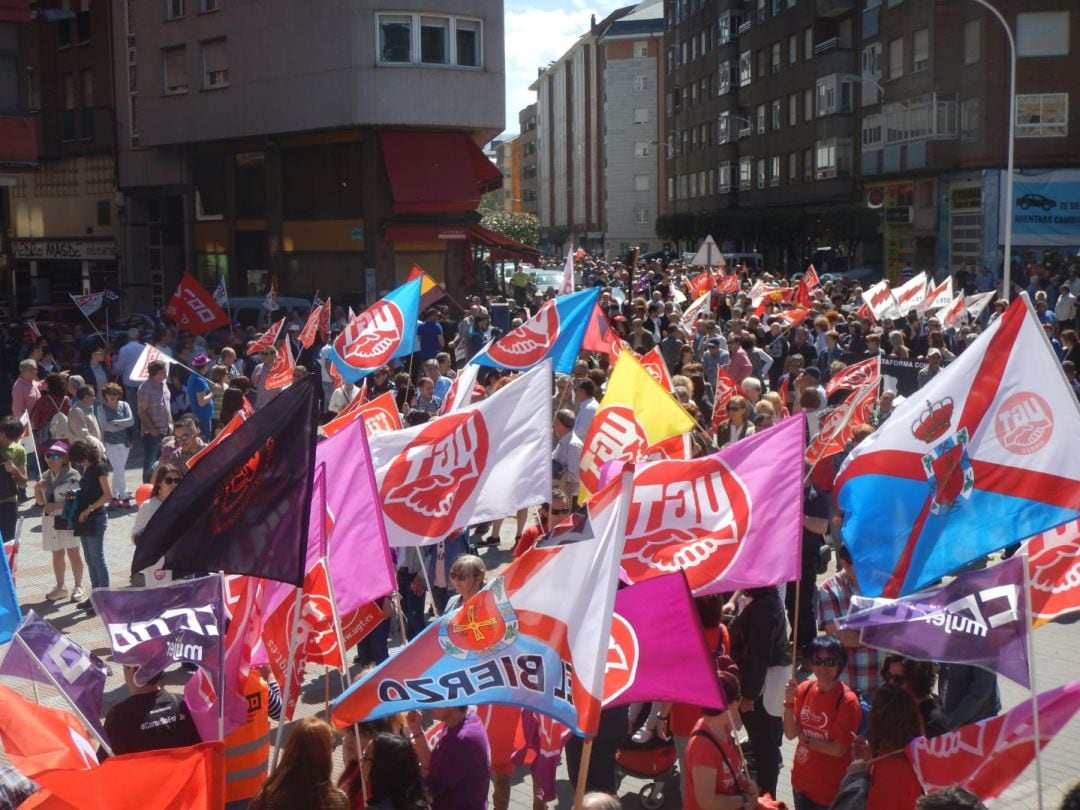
{"x": 737, "y": 425}
{"x": 551, "y": 514}
{"x": 51, "y": 493}
{"x": 185, "y": 442}
{"x": 824, "y": 715}
{"x": 918, "y": 678}
{"x": 166, "y": 478}
{"x": 468, "y": 575}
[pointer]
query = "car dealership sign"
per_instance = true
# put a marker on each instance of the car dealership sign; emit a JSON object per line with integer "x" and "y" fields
{"x": 1046, "y": 208}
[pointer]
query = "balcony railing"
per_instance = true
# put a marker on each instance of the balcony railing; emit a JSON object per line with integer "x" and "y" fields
{"x": 832, "y": 44}
{"x": 746, "y": 26}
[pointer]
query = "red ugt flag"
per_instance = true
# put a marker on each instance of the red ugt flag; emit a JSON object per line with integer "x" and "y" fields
{"x": 194, "y": 309}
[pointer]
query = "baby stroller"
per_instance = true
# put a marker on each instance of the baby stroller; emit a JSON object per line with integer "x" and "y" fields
{"x": 653, "y": 760}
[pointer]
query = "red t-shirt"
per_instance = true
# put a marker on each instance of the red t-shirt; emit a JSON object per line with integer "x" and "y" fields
{"x": 528, "y": 540}
{"x": 703, "y": 753}
{"x": 893, "y": 784}
{"x": 683, "y": 716}
{"x": 832, "y": 716}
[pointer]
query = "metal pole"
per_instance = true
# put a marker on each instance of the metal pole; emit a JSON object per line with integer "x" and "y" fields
{"x": 1009, "y": 202}
{"x": 1031, "y": 677}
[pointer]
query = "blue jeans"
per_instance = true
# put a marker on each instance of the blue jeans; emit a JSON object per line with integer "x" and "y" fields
{"x": 94, "y": 551}
{"x": 151, "y": 446}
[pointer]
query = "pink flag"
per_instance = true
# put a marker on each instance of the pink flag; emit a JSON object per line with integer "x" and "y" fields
{"x": 986, "y": 757}
{"x": 360, "y": 566}
{"x": 727, "y": 520}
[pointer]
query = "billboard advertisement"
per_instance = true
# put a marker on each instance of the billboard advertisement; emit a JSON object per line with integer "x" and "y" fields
{"x": 1046, "y": 208}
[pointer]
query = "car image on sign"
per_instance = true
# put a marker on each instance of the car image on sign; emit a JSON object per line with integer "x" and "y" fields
{"x": 1035, "y": 201}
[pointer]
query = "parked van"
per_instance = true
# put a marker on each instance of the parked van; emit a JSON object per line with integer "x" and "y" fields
{"x": 249, "y": 311}
{"x": 754, "y": 262}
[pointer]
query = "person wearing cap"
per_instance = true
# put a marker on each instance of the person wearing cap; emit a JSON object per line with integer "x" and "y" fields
{"x": 57, "y": 533}
{"x": 933, "y": 367}
{"x": 200, "y": 393}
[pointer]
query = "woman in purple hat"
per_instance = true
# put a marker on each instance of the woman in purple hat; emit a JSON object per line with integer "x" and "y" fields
{"x": 57, "y": 531}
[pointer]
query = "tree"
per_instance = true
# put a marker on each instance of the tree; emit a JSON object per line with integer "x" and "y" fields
{"x": 851, "y": 225}
{"x": 488, "y": 202}
{"x": 516, "y": 225}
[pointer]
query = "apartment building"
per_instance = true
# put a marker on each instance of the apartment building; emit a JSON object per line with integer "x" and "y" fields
{"x": 508, "y": 161}
{"x": 314, "y": 146}
{"x": 598, "y": 132}
{"x": 934, "y": 106}
{"x": 18, "y": 129}
{"x": 527, "y": 137}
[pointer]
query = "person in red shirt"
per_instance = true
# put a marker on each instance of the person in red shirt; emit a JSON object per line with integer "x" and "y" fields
{"x": 550, "y": 515}
{"x": 824, "y": 715}
{"x": 880, "y": 763}
{"x": 715, "y": 775}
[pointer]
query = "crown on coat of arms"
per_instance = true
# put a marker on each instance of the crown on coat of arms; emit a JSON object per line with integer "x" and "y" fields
{"x": 934, "y": 421}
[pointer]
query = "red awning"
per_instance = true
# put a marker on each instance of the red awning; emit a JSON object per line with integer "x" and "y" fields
{"x": 436, "y": 171}
{"x": 18, "y": 142}
{"x": 17, "y": 11}
{"x": 501, "y": 246}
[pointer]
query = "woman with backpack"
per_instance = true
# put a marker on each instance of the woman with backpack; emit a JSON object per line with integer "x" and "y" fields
{"x": 824, "y": 714}
{"x": 48, "y": 419}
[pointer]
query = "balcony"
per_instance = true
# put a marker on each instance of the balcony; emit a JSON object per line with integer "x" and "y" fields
{"x": 834, "y": 8}
{"x": 744, "y": 28}
{"x": 832, "y": 44}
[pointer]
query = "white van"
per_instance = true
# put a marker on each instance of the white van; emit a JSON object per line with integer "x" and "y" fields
{"x": 754, "y": 261}
{"x": 249, "y": 311}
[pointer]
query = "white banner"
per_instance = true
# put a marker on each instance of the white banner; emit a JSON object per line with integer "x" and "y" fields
{"x": 149, "y": 355}
{"x": 481, "y": 462}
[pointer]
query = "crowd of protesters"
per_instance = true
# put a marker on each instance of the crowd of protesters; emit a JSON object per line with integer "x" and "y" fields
{"x": 851, "y": 709}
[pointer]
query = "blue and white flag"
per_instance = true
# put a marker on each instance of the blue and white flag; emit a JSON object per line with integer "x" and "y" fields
{"x": 383, "y": 331}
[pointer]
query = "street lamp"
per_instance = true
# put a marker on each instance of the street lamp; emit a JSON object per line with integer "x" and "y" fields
{"x": 1007, "y": 280}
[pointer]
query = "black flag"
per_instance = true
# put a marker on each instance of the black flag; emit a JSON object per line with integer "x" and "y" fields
{"x": 244, "y": 507}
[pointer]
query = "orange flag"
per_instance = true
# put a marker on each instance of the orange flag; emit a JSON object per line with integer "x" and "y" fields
{"x": 176, "y": 778}
{"x": 37, "y": 738}
{"x": 280, "y": 374}
{"x": 267, "y": 339}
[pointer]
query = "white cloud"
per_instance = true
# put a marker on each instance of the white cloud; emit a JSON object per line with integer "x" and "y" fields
{"x": 535, "y": 36}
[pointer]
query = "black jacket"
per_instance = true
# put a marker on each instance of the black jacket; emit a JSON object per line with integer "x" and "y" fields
{"x": 759, "y": 640}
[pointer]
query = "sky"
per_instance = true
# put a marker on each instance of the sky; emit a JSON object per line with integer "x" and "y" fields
{"x": 538, "y": 32}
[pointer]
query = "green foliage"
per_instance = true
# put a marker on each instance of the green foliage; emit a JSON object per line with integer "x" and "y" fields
{"x": 516, "y": 225}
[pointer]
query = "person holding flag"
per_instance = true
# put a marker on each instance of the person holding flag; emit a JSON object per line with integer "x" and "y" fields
{"x": 150, "y": 718}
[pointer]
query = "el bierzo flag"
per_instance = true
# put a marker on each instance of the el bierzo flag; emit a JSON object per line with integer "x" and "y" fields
{"x": 985, "y": 456}
{"x": 244, "y": 508}
{"x": 536, "y": 636}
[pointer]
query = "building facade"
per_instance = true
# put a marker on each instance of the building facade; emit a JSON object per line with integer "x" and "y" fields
{"x": 290, "y": 153}
{"x": 508, "y": 161}
{"x": 529, "y": 180}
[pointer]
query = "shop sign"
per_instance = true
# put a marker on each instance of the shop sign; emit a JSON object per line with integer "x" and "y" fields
{"x": 63, "y": 249}
{"x": 898, "y": 214}
{"x": 965, "y": 199}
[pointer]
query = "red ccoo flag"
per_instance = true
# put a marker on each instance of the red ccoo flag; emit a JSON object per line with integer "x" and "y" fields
{"x": 194, "y": 309}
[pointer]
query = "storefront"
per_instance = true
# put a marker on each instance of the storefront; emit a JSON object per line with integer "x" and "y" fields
{"x": 47, "y": 271}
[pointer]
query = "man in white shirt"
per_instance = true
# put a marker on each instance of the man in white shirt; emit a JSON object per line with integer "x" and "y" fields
{"x": 585, "y": 403}
{"x": 566, "y": 457}
{"x": 126, "y": 359}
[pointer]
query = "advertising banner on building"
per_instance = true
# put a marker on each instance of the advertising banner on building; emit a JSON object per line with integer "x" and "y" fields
{"x": 1046, "y": 208}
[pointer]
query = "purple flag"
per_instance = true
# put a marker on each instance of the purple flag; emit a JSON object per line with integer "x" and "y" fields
{"x": 79, "y": 674}
{"x": 151, "y": 628}
{"x": 657, "y": 649}
{"x": 360, "y": 566}
{"x": 979, "y": 618}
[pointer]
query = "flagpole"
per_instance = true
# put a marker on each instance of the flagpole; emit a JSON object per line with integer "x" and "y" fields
{"x": 583, "y": 771}
{"x": 221, "y": 671}
{"x": 795, "y": 631}
{"x": 1031, "y": 677}
{"x": 287, "y": 692}
{"x": 74, "y": 707}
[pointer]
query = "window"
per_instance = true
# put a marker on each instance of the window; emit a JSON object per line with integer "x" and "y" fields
{"x": 411, "y": 39}
{"x": 641, "y": 149}
{"x": 215, "y": 65}
{"x": 693, "y": 184}
{"x": 808, "y": 105}
{"x": 774, "y": 171}
{"x": 927, "y": 116}
{"x": 82, "y": 23}
{"x": 808, "y": 44}
{"x": 972, "y": 42}
{"x": 434, "y": 40}
{"x": 87, "y": 81}
{"x": 641, "y": 83}
{"x": 641, "y": 216}
{"x": 871, "y": 132}
{"x": 833, "y": 158}
{"x": 208, "y": 174}
{"x": 761, "y": 173}
{"x": 762, "y": 59}
{"x": 793, "y": 49}
{"x": 746, "y": 169}
{"x": 777, "y": 114}
{"x": 671, "y": 188}
{"x": 1042, "y": 33}
{"x": 209, "y": 5}
{"x": 793, "y": 109}
{"x": 760, "y": 11}
{"x": 723, "y": 128}
{"x": 746, "y": 68}
{"x": 896, "y": 58}
{"x": 724, "y": 177}
{"x": 175, "y": 63}
{"x": 723, "y": 29}
{"x": 641, "y": 115}
{"x": 808, "y": 165}
{"x": 1042, "y": 116}
{"x": 10, "y": 75}
{"x": 761, "y": 119}
{"x": 969, "y": 120}
{"x": 251, "y": 185}
{"x": 833, "y": 95}
{"x": 871, "y": 60}
{"x": 641, "y": 50}
{"x": 669, "y": 103}
{"x": 104, "y": 213}
{"x": 776, "y": 4}
{"x": 776, "y": 57}
{"x": 641, "y": 182}
{"x": 723, "y": 78}
{"x": 920, "y": 50}
{"x": 793, "y": 168}
{"x": 174, "y": 9}
{"x": 67, "y": 121}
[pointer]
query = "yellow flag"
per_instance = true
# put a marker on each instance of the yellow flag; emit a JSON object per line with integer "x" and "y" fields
{"x": 635, "y": 413}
